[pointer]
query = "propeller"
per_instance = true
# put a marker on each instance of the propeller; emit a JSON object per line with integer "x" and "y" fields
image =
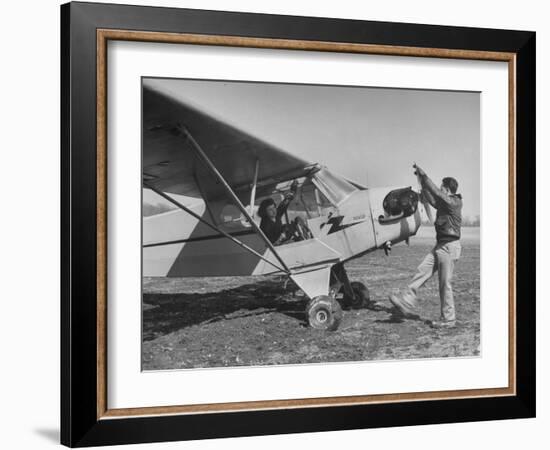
{"x": 423, "y": 200}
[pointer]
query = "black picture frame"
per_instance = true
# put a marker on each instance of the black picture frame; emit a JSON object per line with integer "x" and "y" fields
{"x": 80, "y": 425}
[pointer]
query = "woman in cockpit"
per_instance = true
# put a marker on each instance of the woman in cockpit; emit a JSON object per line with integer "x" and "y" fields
{"x": 271, "y": 215}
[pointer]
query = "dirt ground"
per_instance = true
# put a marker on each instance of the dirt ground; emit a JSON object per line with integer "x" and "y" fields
{"x": 213, "y": 322}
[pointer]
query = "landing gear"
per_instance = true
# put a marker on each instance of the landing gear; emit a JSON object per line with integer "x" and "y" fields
{"x": 361, "y": 298}
{"x": 355, "y": 294}
{"x": 324, "y": 313}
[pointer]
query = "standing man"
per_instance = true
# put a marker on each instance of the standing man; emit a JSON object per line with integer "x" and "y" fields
{"x": 442, "y": 257}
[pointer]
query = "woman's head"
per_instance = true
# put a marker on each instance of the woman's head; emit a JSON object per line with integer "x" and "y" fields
{"x": 267, "y": 209}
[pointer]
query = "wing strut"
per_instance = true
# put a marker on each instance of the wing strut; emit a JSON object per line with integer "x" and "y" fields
{"x": 254, "y": 184}
{"x": 214, "y": 227}
{"x": 218, "y": 175}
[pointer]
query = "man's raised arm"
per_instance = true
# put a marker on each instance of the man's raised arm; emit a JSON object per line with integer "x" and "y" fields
{"x": 431, "y": 189}
{"x": 428, "y": 197}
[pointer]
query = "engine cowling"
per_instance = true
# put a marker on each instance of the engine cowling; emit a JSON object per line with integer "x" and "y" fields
{"x": 395, "y": 213}
{"x": 399, "y": 203}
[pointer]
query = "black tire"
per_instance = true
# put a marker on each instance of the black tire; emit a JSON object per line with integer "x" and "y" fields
{"x": 324, "y": 313}
{"x": 362, "y": 295}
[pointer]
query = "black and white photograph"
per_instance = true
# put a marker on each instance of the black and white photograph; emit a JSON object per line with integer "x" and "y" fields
{"x": 275, "y": 225}
{"x": 302, "y": 223}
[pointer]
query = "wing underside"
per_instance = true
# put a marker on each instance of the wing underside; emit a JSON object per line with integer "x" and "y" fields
{"x": 175, "y": 133}
{"x": 170, "y": 163}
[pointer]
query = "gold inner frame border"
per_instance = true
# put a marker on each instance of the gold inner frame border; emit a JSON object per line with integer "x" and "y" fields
{"x": 104, "y": 35}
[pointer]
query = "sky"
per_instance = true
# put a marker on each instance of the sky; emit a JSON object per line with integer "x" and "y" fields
{"x": 369, "y": 135}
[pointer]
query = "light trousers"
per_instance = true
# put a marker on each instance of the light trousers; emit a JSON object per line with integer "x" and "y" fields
{"x": 441, "y": 259}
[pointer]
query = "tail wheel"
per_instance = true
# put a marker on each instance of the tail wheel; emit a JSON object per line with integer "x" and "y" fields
{"x": 324, "y": 313}
{"x": 362, "y": 295}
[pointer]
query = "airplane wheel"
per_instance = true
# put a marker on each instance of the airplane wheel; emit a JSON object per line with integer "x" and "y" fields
{"x": 362, "y": 295}
{"x": 324, "y": 313}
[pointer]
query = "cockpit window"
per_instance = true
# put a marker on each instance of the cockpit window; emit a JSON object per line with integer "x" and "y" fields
{"x": 336, "y": 189}
{"x": 309, "y": 202}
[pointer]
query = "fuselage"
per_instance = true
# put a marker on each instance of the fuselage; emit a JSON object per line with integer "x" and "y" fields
{"x": 177, "y": 245}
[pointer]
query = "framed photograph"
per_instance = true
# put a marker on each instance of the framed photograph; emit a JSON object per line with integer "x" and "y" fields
{"x": 277, "y": 224}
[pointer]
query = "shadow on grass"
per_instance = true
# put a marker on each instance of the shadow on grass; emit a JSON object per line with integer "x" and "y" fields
{"x": 397, "y": 317}
{"x": 167, "y": 313}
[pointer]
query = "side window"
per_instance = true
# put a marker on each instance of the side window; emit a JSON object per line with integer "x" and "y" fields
{"x": 309, "y": 202}
{"x": 231, "y": 218}
{"x": 336, "y": 188}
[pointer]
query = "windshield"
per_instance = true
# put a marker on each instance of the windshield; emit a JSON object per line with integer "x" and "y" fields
{"x": 335, "y": 188}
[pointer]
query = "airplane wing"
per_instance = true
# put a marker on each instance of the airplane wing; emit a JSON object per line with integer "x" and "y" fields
{"x": 169, "y": 161}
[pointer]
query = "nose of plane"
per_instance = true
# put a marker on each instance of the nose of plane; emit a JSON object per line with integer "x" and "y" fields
{"x": 398, "y": 203}
{"x": 395, "y": 213}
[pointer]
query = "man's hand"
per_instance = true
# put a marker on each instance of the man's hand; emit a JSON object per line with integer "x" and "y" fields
{"x": 419, "y": 171}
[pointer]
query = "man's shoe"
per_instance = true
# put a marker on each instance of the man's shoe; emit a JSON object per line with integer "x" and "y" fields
{"x": 443, "y": 324}
{"x": 404, "y": 307}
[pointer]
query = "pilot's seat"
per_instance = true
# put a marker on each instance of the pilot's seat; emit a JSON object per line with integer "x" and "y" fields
{"x": 297, "y": 230}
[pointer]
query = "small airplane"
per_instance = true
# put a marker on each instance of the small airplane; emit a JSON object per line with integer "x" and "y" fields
{"x": 217, "y": 175}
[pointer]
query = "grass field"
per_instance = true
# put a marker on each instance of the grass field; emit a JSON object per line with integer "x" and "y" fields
{"x": 213, "y": 322}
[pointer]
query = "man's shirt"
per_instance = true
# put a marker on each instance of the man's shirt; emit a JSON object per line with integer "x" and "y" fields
{"x": 449, "y": 211}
